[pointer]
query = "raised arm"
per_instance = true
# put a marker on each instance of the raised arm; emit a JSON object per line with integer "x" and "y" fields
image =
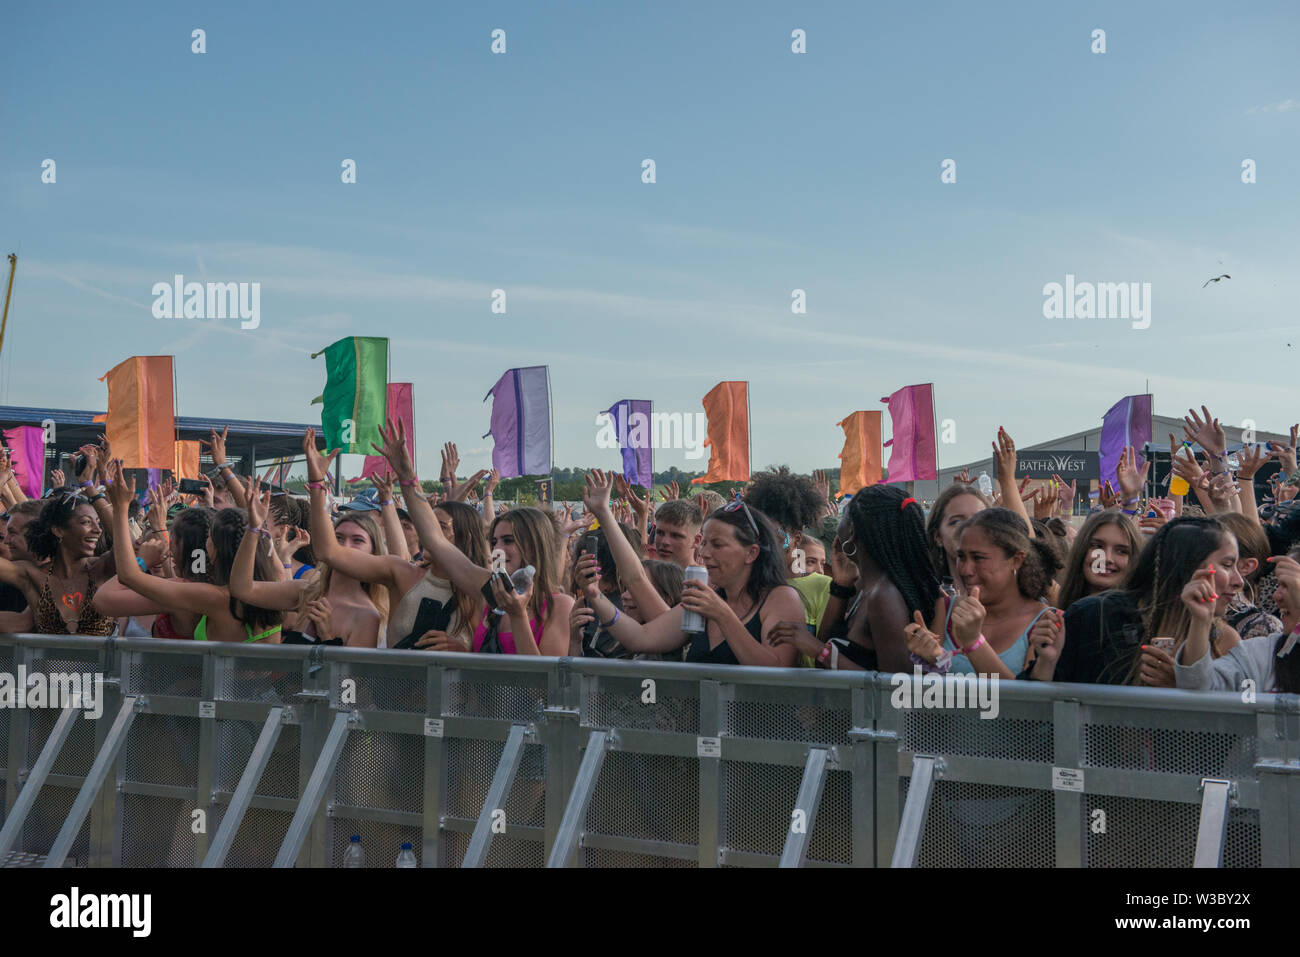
{"x": 394, "y": 537}
{"x": 595, "y": 496}
{"x": 217, "y": 443}
{"x": 658, "y": 636}
{"x": 197, "y": 597}
{"x": 464, "y": 574}
{"x": 281, "y": 595}
{"x": 379, "y": 569}
{"x": 1004, "y": 457}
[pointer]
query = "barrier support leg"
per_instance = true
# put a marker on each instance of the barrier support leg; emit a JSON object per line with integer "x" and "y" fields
{"x": 313, "y": 792}
{"x": 496, "y": 796}
{"x": 805, "y": 809}
{"x": 1214, "y": 823}
{"x": 36, "y": 780}
{"x": 94, "y": 781}
{"x": 243, "y": 795}
{"x": 915, "y": 812}
{"x": 575, "y": 811}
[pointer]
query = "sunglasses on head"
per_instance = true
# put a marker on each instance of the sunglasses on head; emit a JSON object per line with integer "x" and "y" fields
{"x": 739, "y": 505}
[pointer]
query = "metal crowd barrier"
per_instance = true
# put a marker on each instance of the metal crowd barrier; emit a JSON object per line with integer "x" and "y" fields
{"x": 213, "y": 754}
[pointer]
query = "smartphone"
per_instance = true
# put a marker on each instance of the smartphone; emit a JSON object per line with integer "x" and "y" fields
{"x": 433, "y": 615}
{"x": 193, "y": 487}
{"x": 591, "y": 543}
{"x": 1165, "y": 644}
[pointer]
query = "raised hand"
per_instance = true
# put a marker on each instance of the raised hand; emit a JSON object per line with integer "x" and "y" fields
{"x": 119, "y": 492}
{"x": 58, "y": 479}
{"x": 383, "y": 486}
{"x": 963, "y": 478}
{"x": 1285, "y": 455}
{"x": 217, "y": 445}
{"x": 91, "y": 453}
{"x": 1130, "y": 478}
{"x": 968, "y": 618}
{"x": 494, "y": 479}
{"x": 1206, "y": 431}
{"x": 1287, "y": 570}
{"x": 1185, "y": 465}
{"x": 595, "y": 490}
{"x": 1004, "y": 455}
{"x": 318, "y": 466}
{"x": 1065, "y": 494}
{"x": 1199, "y": 595}
{"x": 259, "y": 504}
{"x": 209, "y": 493}
{"x": 670, "y": 492}
{"x": 1252, "y": 458}
{"x": 822, "y": 484}
{"x": 395, "y": 451}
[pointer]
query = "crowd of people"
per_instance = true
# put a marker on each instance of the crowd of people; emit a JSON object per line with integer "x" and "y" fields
{"x": 1197, "y": 591}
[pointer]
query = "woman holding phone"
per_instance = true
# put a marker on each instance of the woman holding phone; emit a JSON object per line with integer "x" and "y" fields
{"x": 534, "y": 622}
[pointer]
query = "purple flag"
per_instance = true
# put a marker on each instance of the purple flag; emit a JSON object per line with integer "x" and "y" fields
{"x": 632, "y": 421}
{"x": 521, "y": 422}
{"x": 154, "y": 476}
{"x": 27, "y": 456}
{"x": 1127, "y": 423}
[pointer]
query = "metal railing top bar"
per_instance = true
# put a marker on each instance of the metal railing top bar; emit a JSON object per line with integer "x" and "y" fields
{"x": 1219, "y": 702}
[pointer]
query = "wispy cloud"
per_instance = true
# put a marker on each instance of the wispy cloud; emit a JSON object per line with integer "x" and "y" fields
{"x": 1286, "y": 106}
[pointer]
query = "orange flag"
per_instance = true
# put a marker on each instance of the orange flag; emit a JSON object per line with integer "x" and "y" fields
{"x": 727, "y": 408}
{"x": 860, "y": 460}
{"x": 187, "y": 460}
{"x": 141, "y": 422}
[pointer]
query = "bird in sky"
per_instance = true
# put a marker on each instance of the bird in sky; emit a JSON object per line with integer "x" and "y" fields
{"x": 1216, "y": 279}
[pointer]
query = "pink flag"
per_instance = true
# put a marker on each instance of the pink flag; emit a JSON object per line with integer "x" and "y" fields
{"x": 27, "y": 453}
{"x": 911, "y": 409}
{"x": 400, "y": 406}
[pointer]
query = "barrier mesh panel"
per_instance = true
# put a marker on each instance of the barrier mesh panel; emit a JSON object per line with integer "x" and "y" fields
{"x": 938, "y": 731}
{"x": 380, "y": 840}
{"x": 986, "y": 825}
{"x": 164, "y": 674}
{"x": 235, "y": 741}
{"x": 471, "y": 764}
{"x": 157, "y": 831}
{"x": 379, "y": 769}
{"x": 161, "y": 749}
{"x": 6, "y": 667}
{"x": 238, "y": 681}
{"x": 1144, "y": 833}
{"x": 504, "y": 852}
{"x": 404, "y": 692}
{"x": 652, "y": 797}
{"x": 597, "y": 857}
{"x": 47, "y": 817}
{"x": 520, "y": 703}
{"x": 1174, "y": 751}
{"x": 260, "y": 835}
{"x": 758, "y": 803}
{"x": 618, "y": 704}
{"x": 78, "y": 752}
{"x": 787, "y": 722}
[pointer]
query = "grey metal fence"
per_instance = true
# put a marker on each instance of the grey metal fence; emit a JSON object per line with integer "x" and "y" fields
{"x": 214, "y": 754}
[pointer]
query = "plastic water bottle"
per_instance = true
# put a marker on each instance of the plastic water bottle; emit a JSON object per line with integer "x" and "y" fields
{"x": 406, "y": 856}
{"x": 985, "y": 484}
{"x": 523, "y": 578}
{"x": 693, "y": 621}
{"x": 355, "y": 855}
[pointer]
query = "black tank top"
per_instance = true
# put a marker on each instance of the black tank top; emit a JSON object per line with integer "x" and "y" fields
{"x": 723, "y": 655}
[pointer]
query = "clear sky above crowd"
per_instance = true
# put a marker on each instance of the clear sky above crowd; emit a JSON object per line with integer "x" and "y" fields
{"x": 774, "y": 171}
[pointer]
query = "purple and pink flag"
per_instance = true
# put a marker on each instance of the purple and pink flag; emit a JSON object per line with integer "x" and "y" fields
{"x": 1127, "y": 423}
{"x": 27, "y": 455}
{"x": 912, "y": 455}
{"x": 632, "y": 421}
{"x": 521, "y": 422}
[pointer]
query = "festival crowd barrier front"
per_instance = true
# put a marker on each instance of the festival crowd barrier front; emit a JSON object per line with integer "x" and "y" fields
{"x": 213, "y": 754}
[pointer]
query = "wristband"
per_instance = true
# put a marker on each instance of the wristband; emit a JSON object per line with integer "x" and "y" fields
{"x": 842, "y": 591}
{"x": 318, "y": 486}
{"x": 408, "y": 483}
{"x": 96, "y": 497}
{"x": 287, "y": 564}
{"x": 967, "y": 650}
{"x": 610, "y": 623}
{"x": 261, "y": 531}
{"x": 387, "y": 501}
{"x": 140, "y": 561}
{"x": 85, "y": 484}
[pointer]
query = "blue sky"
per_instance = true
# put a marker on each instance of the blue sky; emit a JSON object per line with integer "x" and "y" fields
{"x": 775, "y": 171}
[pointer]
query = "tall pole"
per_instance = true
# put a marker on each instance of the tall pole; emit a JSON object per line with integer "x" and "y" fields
{"x": 4, "y": 320}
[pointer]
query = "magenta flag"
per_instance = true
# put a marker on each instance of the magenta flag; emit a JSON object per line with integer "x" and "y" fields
{"x": 911, "y": 458}
{"x": 27, "y": 453}
{"x": 400, "y": 408}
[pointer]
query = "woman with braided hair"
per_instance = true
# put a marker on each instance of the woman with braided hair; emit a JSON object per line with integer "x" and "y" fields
{"x": 1107, "y": 636}
{"x": 883, "y": 534}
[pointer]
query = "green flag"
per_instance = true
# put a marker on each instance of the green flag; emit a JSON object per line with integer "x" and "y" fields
{"x": 356, "y": 393}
